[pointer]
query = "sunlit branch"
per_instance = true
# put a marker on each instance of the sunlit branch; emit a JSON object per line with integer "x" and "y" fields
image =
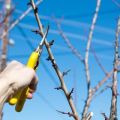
{"x": 89, "y": 90}
{"x": 55, "y": 66}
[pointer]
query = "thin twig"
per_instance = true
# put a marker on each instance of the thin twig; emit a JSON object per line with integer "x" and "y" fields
{"x": 67, "y": 113}
{"x": 98, "y": 61}
{"x": 76, "y": 52}
{"x": 89, "y": 90}
{"x": 96, "y": 57}
{"x": 103, "y": 90}
{"x": 73, "y": 49}
{"x": 52, "y": 59}
{"x": 95, "y": 89}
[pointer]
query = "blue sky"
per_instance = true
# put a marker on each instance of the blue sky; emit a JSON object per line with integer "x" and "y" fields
{"x": 77, "y": 16}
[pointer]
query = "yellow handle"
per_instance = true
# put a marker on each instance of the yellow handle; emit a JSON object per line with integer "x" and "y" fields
{"x": 20, "y": 98}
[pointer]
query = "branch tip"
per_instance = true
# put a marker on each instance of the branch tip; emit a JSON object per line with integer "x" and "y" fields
{"x": 51, "y": 42}
{"x": 65, "y": 73}
{"x": 48, "y": 58}
{"x": 58, "y": 88}
{"x": 67, "y": 113}
{"x": 37, "y": 32}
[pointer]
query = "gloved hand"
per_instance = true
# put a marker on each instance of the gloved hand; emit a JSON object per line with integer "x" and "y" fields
{"x": 14, "y": 77}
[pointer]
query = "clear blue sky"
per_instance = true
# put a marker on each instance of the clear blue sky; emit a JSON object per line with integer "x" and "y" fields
{"x": 77, "y": 19}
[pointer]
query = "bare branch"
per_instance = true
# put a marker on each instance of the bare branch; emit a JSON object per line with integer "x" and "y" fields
{"x": 89, "y": 91}
{"x": 73, "y": 49}
{"x": 95, "y": 89}
{"x": 98, "y": 61}
{"x": 103, "y": 90}
{"x": 52, "y": 59}
{"x": 3, "y": 58}
{"x": 113, "y": 110}
{"x": 19, "y": 19}
{"x": 96, "y": 57}
{"x": 108, "y": 74}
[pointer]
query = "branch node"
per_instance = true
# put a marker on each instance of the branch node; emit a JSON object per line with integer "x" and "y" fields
{"x": 70, "y": 94}
{"x": 48, "y": 58}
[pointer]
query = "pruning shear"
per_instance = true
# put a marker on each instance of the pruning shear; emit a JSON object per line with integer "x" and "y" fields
{"x": 33, "y": 62}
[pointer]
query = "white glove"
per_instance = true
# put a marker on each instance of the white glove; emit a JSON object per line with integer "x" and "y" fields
{"x": 14, "y": 77}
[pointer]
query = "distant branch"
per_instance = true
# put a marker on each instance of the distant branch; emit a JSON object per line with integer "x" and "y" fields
{"x": 73, "y": 49}
{"x": 104, "y": 89}
{"x": 19, "y": 19}
{"x": 89, "y": 90}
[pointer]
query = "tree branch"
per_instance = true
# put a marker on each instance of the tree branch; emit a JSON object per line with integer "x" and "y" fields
{"x": 89, "y": 90}
{"x": 65, "y": 38}
{"x": 52, "y": 59}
